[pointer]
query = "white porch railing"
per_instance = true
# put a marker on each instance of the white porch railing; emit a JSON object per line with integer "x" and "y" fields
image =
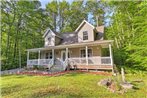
{"x": 77, "y": 61}
{"x": 91, "y": 61}
{"x": 32, "y": 62}
{"x": 44, "y": 61}
{"x": 74, "y": 61}
{"x": 99, "y": 61}
{"x": 38, "y": 61}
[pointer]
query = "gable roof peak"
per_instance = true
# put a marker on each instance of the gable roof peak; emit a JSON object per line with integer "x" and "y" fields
{"x": 49, "y": 30}
{"x": 46, "y": 32}
{"x": 84, "y": 21}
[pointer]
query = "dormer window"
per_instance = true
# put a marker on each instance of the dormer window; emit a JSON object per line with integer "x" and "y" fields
{"x": 49, "y": 39}
{"x": 85, "y": 35}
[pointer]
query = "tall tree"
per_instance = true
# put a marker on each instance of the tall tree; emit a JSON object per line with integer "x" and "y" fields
{"x": 128, "y": 30}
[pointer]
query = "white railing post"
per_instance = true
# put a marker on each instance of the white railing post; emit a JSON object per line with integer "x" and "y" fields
{"x": 111, "y": 55}
{"x": 66, "y": 54}
{"x": 53, "y": 55}
{"x": 86, "y": 50}
{"x": 27, "y": 58}
{"x": 38, "y": 57}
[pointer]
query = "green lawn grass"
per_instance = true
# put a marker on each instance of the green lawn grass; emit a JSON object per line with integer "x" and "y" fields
{"x": 71, "y": 85}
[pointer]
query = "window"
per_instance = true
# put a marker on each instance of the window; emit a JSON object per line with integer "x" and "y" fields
{"x": 83, "y": 53}
{"x": 49, "y": 39}
{"x": 48, "y": 55}
{"x": 85, "y": 35}
{"x": 96, "y": 35}
{"x": 89, "y": 52}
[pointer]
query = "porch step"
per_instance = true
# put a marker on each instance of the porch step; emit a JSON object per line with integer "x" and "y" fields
{"x": 57, "y": 67}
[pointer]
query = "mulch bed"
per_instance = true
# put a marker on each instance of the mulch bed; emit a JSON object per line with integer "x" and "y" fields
{"x": 61, "y": 73}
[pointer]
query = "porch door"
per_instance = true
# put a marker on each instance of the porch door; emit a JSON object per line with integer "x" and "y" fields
{"x": 63, "y": 55}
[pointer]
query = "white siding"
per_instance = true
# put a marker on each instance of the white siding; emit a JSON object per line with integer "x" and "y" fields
{"x": 89, "y": 29}
{"x": 52, "y": 42}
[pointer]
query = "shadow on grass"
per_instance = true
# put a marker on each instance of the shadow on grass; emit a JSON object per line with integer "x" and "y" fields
{"x": 9, "y": 90}
{"x": 56, "y": 92}
{"x": 23, "y": 76}
{"x": 135, "y": 88}
{"x": 74, "y": 73}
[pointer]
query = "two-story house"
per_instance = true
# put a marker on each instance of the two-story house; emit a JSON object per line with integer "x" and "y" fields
{"x": 81, "y": 49}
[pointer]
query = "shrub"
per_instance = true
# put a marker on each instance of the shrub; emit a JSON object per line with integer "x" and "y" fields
{"x": 35, "y": 67}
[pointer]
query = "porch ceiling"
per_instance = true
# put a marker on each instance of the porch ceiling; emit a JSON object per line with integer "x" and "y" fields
{"x": 102, "y": 43}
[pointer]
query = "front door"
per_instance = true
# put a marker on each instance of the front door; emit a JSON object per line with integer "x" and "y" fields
{"x": 63, "y": 55}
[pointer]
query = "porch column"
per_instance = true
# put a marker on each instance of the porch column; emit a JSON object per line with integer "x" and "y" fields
{"x": 38, "y": 57}
{"x": 27, "y": 57}
{"x": 53, "y": 55}
{"x": 66, "y": 53}
{"x": 111, "y": 55}
{"x": 86, "y": 50}
{"x": 66, "y": 62}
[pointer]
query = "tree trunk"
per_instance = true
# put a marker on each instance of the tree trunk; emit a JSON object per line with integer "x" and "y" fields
{"x": 8, "y": 37}
{"x": 16, "y": 36}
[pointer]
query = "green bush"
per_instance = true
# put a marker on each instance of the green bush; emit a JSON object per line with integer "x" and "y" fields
{"x": 38, "y": 67}
{"x": 35, "y": 67}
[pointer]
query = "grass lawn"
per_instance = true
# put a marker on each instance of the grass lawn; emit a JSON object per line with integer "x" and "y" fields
{"x": 71, "y": 85}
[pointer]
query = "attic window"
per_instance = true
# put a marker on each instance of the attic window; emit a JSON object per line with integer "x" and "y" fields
{"x": 85, "y": 35}
{"x": 49, "y": 39}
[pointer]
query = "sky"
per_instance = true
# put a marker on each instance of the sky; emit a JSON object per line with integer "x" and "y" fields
{"x": 44, "y": 2}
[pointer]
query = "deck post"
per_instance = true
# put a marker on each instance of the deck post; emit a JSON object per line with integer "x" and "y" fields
{"x": 53, "y": 55}
{"x": 27, "y": 57}
{"x": 86, "y": 55}
{"x": 66, "y": 53}
{"x": 111, "y": 56}
{"x": 38, "y": 57}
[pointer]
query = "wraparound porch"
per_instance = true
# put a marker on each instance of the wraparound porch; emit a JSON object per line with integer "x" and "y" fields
{"x": 72, "y": 56}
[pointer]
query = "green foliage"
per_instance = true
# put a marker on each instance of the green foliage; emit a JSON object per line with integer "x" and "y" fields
{"x": 20, "y": 30}
{"x": 41, "y": 68}
{"x": 24, "y": 22}
{"x": 128, "y": 29}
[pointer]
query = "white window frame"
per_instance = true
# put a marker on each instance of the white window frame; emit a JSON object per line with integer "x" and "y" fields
{"x": 85, "y": 52}
{"x": 85, "y": 36}
{"x": 48, "y": 55}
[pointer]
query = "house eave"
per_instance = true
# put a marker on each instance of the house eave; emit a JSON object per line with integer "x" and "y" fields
{"x": 76, "y": 45}
{"x": 82, "y": 24}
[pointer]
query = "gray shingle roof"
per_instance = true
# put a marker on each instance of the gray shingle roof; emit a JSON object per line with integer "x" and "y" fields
{"x": 69, "y": 38}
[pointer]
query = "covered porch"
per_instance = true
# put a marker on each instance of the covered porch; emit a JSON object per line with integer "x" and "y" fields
{"x": 86, "y": 55}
